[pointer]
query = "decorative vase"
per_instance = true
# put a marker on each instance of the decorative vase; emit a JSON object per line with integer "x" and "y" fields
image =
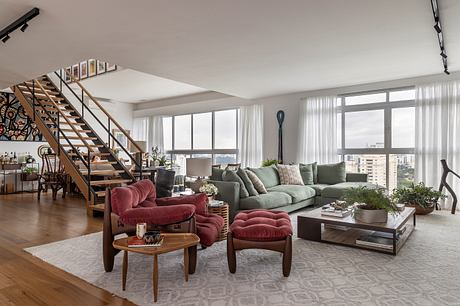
{"x": 211, "y": 197}
{"x": 371, "y": 215}
{"x": 419, "y": 210}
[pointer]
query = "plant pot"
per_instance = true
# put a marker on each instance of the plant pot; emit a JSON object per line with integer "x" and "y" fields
{"x": 29, "y": 177}
{"x": 371, "y": 215}
{"x": 210, "y": 198}
{"x": 419, "y": 210}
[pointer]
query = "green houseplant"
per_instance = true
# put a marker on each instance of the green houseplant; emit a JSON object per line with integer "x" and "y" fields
{"x": 269, "y": 162}
{"x": 371, "y": 205}
{"x": 419, "y": 196}
{"x": 29, "y": 174}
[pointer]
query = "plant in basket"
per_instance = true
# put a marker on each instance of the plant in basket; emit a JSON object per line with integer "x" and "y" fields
{"x": 424, "y": 199}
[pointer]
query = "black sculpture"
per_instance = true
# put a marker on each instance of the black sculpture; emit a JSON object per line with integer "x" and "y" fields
{"x": 446, "y": 171}
{"x": 280, "y": 118}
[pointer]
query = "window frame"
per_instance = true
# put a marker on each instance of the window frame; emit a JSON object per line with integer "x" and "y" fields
{"x": 387, "y": 108}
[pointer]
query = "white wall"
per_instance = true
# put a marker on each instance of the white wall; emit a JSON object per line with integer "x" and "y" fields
{"x": 288, "y": 103}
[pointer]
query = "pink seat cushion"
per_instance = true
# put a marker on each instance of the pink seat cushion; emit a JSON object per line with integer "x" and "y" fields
{"x": 261, "y": 225}
{"x": 124, "y": 198}
{"x": 208, "y": 228}
{"x": 200, "y": 201}
{"x": 158, "y": 215}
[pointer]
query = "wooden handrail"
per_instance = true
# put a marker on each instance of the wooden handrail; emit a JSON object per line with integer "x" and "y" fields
{"x": 107, "y": 114}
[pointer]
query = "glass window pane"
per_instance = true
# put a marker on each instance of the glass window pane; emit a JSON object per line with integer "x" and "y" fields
{"x": 364, "y": 129}
{"x": 202, "y": 131}
{"x": 403, "y": 127}
{"x": 372, "y": 164}
{"x": 167, "y": 133}
{"x": 365, "y": 99}
{"x": 225, "y": 129}
{"x": 179, "y": 163}
{"x": 402, "y": 95}
{"x": 401, "y": 170}
{"x": 183, "y": 132}
{"x": 224, "y": 159}
{"x": 339, "y": 130}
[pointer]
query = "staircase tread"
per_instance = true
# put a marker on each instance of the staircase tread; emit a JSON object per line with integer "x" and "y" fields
{"x": 83, "y": 137}
{"x": 103, "y": 172}
{"x": 79, "y": 145}
{"x": 109, "y": 182}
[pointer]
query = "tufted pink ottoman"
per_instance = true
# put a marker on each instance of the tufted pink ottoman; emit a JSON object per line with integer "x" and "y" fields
{"x": 260, "y": 229}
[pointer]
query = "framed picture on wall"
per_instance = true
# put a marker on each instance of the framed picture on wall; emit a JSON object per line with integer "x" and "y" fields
{"x": 76, "y": 72}
{"x": 67, "y": 73}
{"x": 91, "y": 67}
{"x": 83, "y": 70}
{"x": 120, "y": 137}
{"x": 111, "y": 67}
{"x": 101, "y": 67}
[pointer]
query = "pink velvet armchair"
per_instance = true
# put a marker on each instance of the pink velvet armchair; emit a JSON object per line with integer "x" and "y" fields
{"x": 137, "y": 203}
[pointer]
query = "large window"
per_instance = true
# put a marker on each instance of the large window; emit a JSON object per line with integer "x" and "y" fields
{"x": 376, "y": 135}
{"x": 210, "y": 134}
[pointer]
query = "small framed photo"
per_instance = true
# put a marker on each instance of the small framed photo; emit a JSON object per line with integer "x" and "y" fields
{"x": 67, "y": 74}
{"x": 111, "y": 67}
{"x": 101, "y": 67}
{"x": 83, "y": 70}
{"x": 91, "y": 67}
{"x": 76, "y": 72}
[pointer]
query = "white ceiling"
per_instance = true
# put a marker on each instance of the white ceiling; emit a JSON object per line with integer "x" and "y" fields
{"x": 244, "y": 48}
{"x": 127, "y": 85}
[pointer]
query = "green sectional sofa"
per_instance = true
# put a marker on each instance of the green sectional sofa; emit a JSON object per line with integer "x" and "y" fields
{"x": 328, "y": 184}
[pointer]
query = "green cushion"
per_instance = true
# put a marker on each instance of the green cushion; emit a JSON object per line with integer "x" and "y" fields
{"x": 217, "y": 174}
{"x": 314, "y": 168}
{"x": 247, "y": 182}
{"x": 332, "y": 173}
{"x": 268, "y": 175}
{"x": 266, "y": 201}
{"x": 231, "y": 176}
{"x": 306, "y": 171}
{"x": 336, "y": 191}
{"x": 297, "y": 192}
{"x": 318, "y": 188}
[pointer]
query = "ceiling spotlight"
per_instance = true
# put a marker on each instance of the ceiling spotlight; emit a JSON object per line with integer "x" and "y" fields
{"x": 443, "y": 54}
{"x": 437, "y": 27}
{"x": 5, "y": 39}
{"x": 24, "y": 27}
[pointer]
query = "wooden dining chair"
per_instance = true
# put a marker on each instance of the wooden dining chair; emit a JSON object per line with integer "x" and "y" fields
{"x": 52, "y": 176}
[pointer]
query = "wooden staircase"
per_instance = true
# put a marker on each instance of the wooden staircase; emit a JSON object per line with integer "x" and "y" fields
{"x": 71, "y": 136}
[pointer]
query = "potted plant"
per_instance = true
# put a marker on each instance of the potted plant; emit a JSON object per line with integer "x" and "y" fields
{"x": 269, "y": 162}
{"x": 419, "y": 196}
{"x": 370, "y": 205}
{"x": 210, "y": 190}
{"x": 29, "y": 174}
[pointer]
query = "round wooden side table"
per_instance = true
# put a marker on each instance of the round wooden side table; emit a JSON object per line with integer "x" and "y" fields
{"x": 222, "y": 211}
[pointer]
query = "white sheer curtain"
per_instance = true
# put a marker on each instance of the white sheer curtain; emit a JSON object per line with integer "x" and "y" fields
{"x": 251, "y": 133}
{"x": 318, "y": 130}
{"x": 156, "y": 133}
{"x": 437, "y": 133}
{"x": 140, "y": 128}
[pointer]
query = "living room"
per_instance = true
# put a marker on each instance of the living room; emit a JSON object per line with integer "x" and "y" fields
{"x": 259, "y": 154}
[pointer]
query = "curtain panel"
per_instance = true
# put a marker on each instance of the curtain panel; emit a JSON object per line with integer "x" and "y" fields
{"x": 251, "y": 133}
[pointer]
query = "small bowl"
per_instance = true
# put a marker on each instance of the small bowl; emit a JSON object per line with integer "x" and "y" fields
{"x": 152, "y": 237}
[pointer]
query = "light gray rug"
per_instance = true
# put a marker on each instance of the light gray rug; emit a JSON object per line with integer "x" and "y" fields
{"x": 425, "y": 272}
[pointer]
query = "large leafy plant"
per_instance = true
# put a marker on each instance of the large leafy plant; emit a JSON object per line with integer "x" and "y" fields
{"x": 417, "y": 194}
{"x": 269, "y": 162}
{"x": 366, "y": 198}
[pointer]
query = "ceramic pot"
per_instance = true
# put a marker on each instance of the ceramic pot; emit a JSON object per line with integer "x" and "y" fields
{"x": 419, "y": 210}
{"x": 371, "y": 215}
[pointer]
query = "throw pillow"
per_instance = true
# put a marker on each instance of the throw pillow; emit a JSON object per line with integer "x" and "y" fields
{"x": 258, "y": 185}
{"x": 217, "y": 174}
{"x": 247, "y": 182}
{"x": 306, "y": 171}
{"x": 268, "y": 175}
{"x": 290, "y": 175}
{"x": 332, "y": 173}
{"x": 314, "y": 167}
{"x": 231, "y": 176}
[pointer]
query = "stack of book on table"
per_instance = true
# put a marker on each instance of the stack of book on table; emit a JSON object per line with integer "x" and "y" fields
{"x": 381, "y": 240}
{"x": 330, "y": 211}
{"x": 215, "y": 203}
{"x": 134, "y": 242}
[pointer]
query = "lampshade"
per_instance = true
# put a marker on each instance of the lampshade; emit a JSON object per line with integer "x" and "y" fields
{"x": 199, "y": 166}
{"x": 142, "y": 144}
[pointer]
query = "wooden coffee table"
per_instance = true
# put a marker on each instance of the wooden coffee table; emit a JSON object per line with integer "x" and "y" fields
{"x": 344, "y": 231}
{"x": 171, "y": 242}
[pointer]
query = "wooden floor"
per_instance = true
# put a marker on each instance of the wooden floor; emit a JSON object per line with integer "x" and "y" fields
{"x": 26, "y": 280}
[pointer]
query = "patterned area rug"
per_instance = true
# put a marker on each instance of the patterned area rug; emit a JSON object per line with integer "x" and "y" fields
{"x": 425, "y": 272}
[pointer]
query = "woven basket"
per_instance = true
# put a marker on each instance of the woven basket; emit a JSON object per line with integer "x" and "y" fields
{"x": 419, "y": 210}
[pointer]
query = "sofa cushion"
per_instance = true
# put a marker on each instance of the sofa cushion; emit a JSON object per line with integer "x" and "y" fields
{"x": 247, "y": 182}
{"x": 289, "y": 175}
{"x": 268, "y": 175}
{"x": 266, "y": 201}
{"x": 216, "y": 174}
{"x": 314, "y": 168}
{"x": 231, "y": 176}
{"x": 258, "y": 185}
{"x": 318, "y": 188}
{"x": 158, "y": 215}
{"x": 336, "y": 191}
{"x": 208, "y": 228}
{"x": 332, "y": 173}
{"x": 199, "y": 200}
{"x": 297, "y": 192}
{"x": 306, "y": 171}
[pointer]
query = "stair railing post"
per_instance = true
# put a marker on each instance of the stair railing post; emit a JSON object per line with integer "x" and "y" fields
{"x": 82, "y": 102}
{"x": 33, "y": 97}
{"x": 89, "y": 176}
{"x": 58, "y": 134}
{"x": 108, "y": 131}
{"x": 60, "y": 80}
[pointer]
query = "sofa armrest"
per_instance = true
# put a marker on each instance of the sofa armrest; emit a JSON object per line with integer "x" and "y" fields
{"x": 356, "y": 177}
{"x": 229, "y": 192}
{"x": 200, "y": 201}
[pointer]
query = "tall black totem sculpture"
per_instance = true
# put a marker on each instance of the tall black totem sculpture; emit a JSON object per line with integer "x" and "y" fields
{"x": 446, "y": 171}
{"x": 280, "y": 118}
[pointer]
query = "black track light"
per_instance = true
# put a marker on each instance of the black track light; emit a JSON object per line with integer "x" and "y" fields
{"x": 446, "y": 71}
{"x": 437, "y": 27}
{"x": 443, "y": 54}
{"x": 5, "y": 39}
{"x": 24, "y": 27}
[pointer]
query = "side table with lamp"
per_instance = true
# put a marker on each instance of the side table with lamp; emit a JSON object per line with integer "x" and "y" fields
{"x": 199, "y": 168}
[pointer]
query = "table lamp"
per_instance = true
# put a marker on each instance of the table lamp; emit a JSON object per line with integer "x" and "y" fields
{"x": 138, "y": 155}
{"x": 199, "y": 168}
